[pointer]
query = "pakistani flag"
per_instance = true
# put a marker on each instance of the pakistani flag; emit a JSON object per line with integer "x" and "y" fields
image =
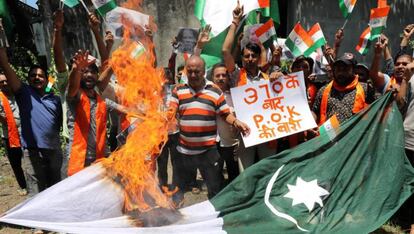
{"x": 352, "y": 183}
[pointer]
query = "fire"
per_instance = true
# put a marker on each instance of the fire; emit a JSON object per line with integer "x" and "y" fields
{"x": 133, "y": 164}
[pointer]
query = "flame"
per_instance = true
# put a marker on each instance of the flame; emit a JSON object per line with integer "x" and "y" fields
{"x": 133, "y": 164}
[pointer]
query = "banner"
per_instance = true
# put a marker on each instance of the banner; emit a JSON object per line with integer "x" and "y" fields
{"x": 273, "y": 110}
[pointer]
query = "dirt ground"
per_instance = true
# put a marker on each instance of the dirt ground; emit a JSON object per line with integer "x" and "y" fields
{"x": 9, "y": 197}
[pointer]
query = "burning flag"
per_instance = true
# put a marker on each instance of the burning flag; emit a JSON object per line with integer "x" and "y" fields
{"x": 358, "y": 190}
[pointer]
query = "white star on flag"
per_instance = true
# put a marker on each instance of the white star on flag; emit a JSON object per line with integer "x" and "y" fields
{"x": 307, "y": 193}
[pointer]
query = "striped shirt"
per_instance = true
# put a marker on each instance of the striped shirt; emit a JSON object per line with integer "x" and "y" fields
{"x": 197, "y": 113}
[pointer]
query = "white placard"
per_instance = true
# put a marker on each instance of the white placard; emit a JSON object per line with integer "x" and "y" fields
{"x": 273, "y": 110}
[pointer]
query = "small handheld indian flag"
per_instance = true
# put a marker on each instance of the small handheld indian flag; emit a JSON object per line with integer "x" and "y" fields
{"x": 49, "y": 86}
{"x": 364, "y": 41}
{"x": 299, "y": 41}
{"x": 266, "y": 31}
{"x": 378, "y": 21}
{"x": 104, "y": 6}
{"x": 317, "y": 36}
{"x": 347, "y": 6}
{"x": 330, "y": 127}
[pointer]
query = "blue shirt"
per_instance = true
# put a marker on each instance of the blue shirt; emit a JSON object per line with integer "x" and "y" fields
{"x": 41, "y": 118}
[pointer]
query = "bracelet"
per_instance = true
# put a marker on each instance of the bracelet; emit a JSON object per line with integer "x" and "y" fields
{"x": 235, "y": 23}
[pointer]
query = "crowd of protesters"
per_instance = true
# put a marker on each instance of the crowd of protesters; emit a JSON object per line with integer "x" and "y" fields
{"x": 204, "y": 133}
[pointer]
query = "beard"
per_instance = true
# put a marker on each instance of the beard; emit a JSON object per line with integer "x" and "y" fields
{"x": 87, "y": 84}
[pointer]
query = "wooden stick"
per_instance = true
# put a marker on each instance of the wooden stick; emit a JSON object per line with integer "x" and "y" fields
{"x": 346, "y": 21}
{"x": 84, "y": 6}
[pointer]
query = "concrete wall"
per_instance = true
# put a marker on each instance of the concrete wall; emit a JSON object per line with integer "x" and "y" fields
{"x": 169, "y": 15}
{"x": 327, "y": 13}
{"x": 172, "y": 14}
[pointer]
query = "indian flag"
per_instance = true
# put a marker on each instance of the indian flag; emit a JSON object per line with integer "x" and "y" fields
{"x": 104, "y": 6}
{"x": 138, "y": 50}
{"x": 378, "y": 21}
{"x": 299, "y": 41}
{"x": 218, "y": 13}
{"x": 346, "y": 7}
{"x": 330, "y": 127}
{"x": 51, "y": 81}
{"x": 364, "y": 41}
{"x": 266, "y": 31}
{"x": 317, "y": 36}
{"x": 70, "y": 3}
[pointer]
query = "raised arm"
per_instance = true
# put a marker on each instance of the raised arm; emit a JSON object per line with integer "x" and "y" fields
{"x": 104, "y": 78}
{"x": 12, "y": 79}
{"x": 58, "y": 41}
{"x": 339, "y": 37}
{"x": 80, "y": 61}
{"x": 109, "y": 41}
{"x": 203, "y": 39}
{"x": 376, "y": 76}
{"x": 95, "y": 25}
{"x": 407, "y": 33}
{"x": 228, "y": 42}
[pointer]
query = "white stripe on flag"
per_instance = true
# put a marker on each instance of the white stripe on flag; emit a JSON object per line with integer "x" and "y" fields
{"x": 298, "y": 41}
{"x": 378, "y": 22}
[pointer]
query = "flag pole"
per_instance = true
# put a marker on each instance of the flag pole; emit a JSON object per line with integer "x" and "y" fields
{"x": 346, "y": 21}
{"x": 84, "y": 6}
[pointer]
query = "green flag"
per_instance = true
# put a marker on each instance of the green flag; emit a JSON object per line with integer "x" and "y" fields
{"x": 5, "y": 15}
{"x": 71, "y": 3}
{"x": 212, "y": 51}
{"x": 350, "y": 184}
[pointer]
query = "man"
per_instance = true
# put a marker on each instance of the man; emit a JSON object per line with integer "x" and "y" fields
{"x": 10, "y": 120}
{"x": 61, "y": 68}
{"x": 87, "y": 114}
{"x": 227, "y": 142}
{"x": 382, "y": 82}
{"x": 170, "y": 147}
{"x": 41, "y": 119}
{"x": 402, "y": 82}
{"x": 345, "y": 95}
{"x": 187, "y": 38}
{"x": 198, "y": 104}
{"x": 249, "y": 73}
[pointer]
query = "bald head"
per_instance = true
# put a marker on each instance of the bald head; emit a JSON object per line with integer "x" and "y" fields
{"x": 196, "y": 68}
{"x": 194, "y": 59}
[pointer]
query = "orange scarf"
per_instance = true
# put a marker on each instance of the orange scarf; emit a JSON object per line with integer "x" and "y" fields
{"x": 14, "y": 139}
{"x": 359, "y": 102}
{"x": 393, "y": 82}
{"x": 243, "y": 77}
{"x": 80, "y": 136}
